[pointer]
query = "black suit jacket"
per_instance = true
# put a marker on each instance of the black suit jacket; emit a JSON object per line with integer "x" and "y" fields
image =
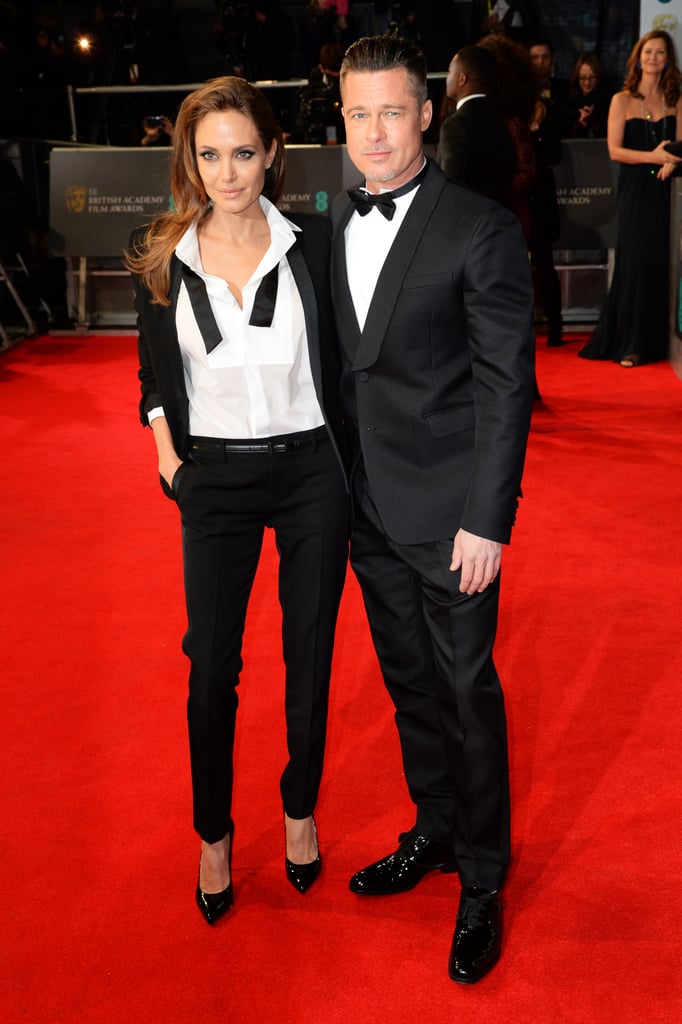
{"x": 161, "y": 371}
{"x": 475, "y": 148}
{"x": 439, "y": 383}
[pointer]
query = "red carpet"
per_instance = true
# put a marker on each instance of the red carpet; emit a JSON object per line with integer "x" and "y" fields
{"x": 98, "y": 860}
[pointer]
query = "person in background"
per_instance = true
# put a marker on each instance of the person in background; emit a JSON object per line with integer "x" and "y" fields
{"x": 552, "y": 90}
{"x": 545, "y": 226}
{"x": 239, "y": 378}
{"x": 644, "y": 117}
{"x": 47, "y": 70}
{"x": 586, "y": 105}
{"x": 475, "y": 148}
{"x": 433, "y": 301}
{"x": 515, "y": 19}
{"x": 158, "y": 131}
{"x": 325, "y": 22}
{"x": 514, "y": 93}
{"x": 318, "y": 118}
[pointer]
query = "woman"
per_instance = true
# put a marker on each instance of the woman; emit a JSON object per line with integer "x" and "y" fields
{"x": 585, "y": 110}
{"x": 238, "y": 370}
{"x": 515, "y": 94}
{"x": 643, "y": 118}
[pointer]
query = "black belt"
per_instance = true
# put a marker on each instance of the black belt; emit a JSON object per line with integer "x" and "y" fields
{"x": 279, "y": 445}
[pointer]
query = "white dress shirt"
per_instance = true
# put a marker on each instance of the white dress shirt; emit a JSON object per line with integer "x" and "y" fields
{"x": 368, "y": 241}
{"x": 257, "y": 381}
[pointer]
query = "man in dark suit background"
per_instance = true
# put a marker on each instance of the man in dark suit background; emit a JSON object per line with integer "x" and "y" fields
{"x": 475, "y": 148}
{"x": 433, "y": 300}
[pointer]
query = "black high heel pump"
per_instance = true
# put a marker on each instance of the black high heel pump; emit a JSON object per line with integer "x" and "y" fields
{"x": 214, "y": 905}
{"x": 302, "y": 876}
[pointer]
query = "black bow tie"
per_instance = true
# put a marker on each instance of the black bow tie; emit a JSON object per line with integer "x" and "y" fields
{"x": 364, "y": 201}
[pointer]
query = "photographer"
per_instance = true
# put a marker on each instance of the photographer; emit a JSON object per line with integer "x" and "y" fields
{"x": 158, "y": 131}
{"x": 319, "y": 119}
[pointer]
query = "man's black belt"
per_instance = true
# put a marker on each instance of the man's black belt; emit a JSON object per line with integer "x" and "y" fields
{"x": 279, "y": 445}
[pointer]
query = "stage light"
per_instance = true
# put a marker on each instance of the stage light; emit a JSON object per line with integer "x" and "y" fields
{"x": 84, "y": 44}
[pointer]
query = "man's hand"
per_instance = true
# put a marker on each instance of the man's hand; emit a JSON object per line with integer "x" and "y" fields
{"x": 479, "y": 560}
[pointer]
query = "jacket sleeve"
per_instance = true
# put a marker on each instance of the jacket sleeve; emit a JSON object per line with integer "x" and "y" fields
{"x": 150, "y": 397}
{"x": 499, "y": 304}
{"x": 453, "y": 151}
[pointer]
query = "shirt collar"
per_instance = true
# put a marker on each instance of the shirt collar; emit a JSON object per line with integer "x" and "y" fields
{"x": 281, "y": 239}
{"x": 465, "y": 99}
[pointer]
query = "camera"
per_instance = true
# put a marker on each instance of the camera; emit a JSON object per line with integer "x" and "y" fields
{"x": 154, "y": 121}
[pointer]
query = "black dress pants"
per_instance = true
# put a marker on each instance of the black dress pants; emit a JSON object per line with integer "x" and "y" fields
{"x": 546, "y": 281}
{"x": 435, "y": 648}
{"x": 226, "y": 501}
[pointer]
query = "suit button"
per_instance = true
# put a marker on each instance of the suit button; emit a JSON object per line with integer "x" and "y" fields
{"x": 363, "y": 376}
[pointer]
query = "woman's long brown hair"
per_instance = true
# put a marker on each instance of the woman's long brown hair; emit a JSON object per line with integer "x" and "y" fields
{"x": 670, "y": 79}
{"x": 152, "y": 255}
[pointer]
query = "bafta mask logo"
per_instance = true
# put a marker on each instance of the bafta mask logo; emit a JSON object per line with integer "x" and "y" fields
{"x": 75, "y": 198}
{"x": 665, "y": 23}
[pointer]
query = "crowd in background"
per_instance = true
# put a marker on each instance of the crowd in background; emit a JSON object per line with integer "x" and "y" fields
{"x": 147, "y": 43}
{"x": 162, "y": 42}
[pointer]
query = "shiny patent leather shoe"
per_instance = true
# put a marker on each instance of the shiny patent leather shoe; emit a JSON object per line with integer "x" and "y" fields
{"x": 477, "y": 941}
{"x": 302, "y": 876}
{"x": 214, "y": 905}
{"x": 403, "y": 869}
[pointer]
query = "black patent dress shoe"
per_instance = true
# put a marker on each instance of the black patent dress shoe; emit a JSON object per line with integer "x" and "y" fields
{"x": 302, "y": 876}
{"x": 477, "y": 940}
{"x": 213, "y": 905}
{"x": 402, "y": 870}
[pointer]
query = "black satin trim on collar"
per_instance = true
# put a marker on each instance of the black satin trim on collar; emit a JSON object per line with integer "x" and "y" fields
{"x": 266, "y": 298}
{"x": 201, "y": 307}
{"x": 261, "y": 315}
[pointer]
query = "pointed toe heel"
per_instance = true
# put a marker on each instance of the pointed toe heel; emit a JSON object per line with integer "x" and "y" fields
{"x": 302, "y": 876}
{"x": 214, "y": 905}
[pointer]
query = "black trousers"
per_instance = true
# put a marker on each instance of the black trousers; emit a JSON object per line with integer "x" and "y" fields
{"x": 226, "y": 502}
{"x": 546, "y": 280}
{"x": 435, "y": 648}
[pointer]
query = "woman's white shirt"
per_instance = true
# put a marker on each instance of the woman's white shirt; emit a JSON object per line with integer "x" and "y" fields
{"x": 257, "y": 382}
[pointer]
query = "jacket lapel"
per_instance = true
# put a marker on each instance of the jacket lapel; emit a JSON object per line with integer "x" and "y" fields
{"x": 306, "y": 289}
{"x": 395, "y": 268}
{"x": 349, "y": 329}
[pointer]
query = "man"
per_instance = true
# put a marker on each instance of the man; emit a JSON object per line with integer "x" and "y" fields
{"x": 542, "y": 58}
{"x": 434, "y": 313}
{"x": 475, "y": 148}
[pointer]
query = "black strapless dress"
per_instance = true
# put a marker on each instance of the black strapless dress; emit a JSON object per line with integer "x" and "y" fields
{"x": 635, "y": 318}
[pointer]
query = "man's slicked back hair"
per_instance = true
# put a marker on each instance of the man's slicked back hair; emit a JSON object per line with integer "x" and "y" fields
{"x": 387, "y": 53}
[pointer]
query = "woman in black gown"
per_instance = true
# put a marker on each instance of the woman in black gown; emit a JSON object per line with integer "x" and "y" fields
{"x": 643, "y": 118}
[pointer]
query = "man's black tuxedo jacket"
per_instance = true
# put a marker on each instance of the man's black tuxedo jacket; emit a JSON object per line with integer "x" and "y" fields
{"x": 161, "y": 371}
{"x": 475, "y": 148}
{"x": 439, "y": 384}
